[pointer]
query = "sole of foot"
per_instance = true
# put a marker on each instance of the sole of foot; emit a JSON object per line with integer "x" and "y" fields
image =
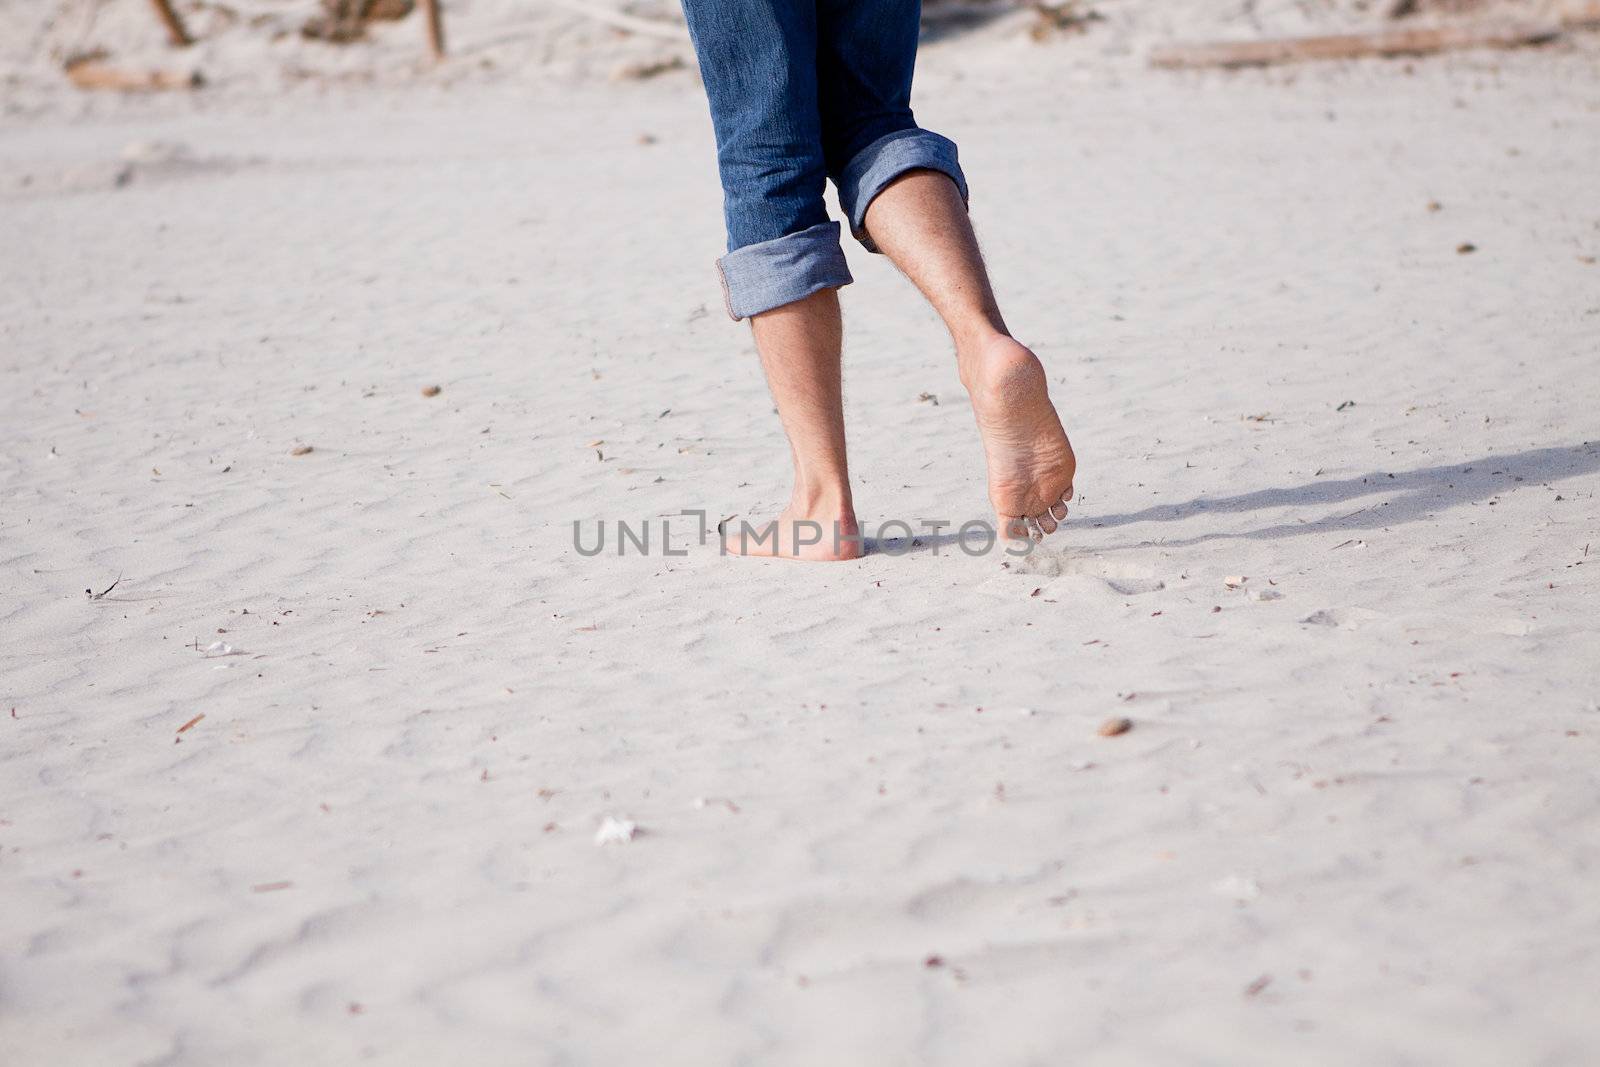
{"x": 814, "y": 539}
{"x": 1030, "y": 460}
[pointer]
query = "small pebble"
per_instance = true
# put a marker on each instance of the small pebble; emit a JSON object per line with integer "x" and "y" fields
{"x": 301, "y": 450}
{"x": 430, "y": 390}
{"x": 1114, "y": 726}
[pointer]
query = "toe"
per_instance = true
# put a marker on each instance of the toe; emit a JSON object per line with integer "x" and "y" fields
{"x": 1058, "y": 510}
{"x": 1014, "y": 528}
{"x": 1045, "y": 522}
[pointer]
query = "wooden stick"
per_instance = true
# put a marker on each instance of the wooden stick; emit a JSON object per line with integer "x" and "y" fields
{"x": 176, "y": 33}
{"x": 430, "y": 11}
{"x": 91, "y": 73}
{"x": 1386, "y": 42}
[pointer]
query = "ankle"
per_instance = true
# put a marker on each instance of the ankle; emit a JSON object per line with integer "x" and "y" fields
{"x": 829, "y": 498}
{"x": 976, "y": 332}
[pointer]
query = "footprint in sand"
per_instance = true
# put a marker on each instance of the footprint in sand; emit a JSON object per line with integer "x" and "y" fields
{"x": 1343, "y": 618}
{"x": 1122, "y": 579}
{"x": 1135, "y": 586}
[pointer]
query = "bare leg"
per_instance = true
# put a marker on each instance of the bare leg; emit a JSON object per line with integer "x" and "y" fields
{"x": 920, "y": 222}
{"x": 800, "y": 350}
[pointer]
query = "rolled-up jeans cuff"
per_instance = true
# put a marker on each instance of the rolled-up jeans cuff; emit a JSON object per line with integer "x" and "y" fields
{"x": 770, "y": 274}
{"x": 884, "y": 160}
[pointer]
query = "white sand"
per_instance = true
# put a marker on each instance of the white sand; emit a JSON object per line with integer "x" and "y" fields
{"x": 1355, "y": 824}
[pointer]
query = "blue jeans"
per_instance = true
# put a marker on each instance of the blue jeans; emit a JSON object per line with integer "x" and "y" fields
{"x": 802, "y": 91}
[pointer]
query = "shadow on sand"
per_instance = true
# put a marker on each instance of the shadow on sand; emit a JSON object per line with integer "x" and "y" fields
{"x": 1406, "y": 497}
{"x": 944, "y": 21}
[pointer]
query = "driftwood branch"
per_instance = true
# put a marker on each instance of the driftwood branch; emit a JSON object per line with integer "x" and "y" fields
{"x": 1385, "y": 42}
{"x": 435, "y": 21}
{"x": 176, "y": 33}
{"x": 92, "y": 72}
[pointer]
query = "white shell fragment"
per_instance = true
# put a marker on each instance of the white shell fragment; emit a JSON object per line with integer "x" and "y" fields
{"x": 1237, "y": 887}
{"x": 615, "y": 831}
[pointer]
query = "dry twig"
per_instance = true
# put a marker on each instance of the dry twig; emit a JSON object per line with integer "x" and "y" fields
{"x": 1383, "y": 42}
{"x": 176, "y": 32}
{"x": 435, "y": 21}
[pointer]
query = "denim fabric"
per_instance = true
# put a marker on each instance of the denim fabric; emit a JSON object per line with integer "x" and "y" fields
{"x": 770, "y": 274}
{"x": 802, "y": 91}
{"x": 886, "y": 159}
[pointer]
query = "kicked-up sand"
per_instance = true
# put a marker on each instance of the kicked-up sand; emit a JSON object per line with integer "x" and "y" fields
{"x": 320, "y": 779}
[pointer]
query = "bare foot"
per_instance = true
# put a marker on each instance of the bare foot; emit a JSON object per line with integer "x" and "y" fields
{"x": 1031, "y": 464}
{"x": 807, "y": 533}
